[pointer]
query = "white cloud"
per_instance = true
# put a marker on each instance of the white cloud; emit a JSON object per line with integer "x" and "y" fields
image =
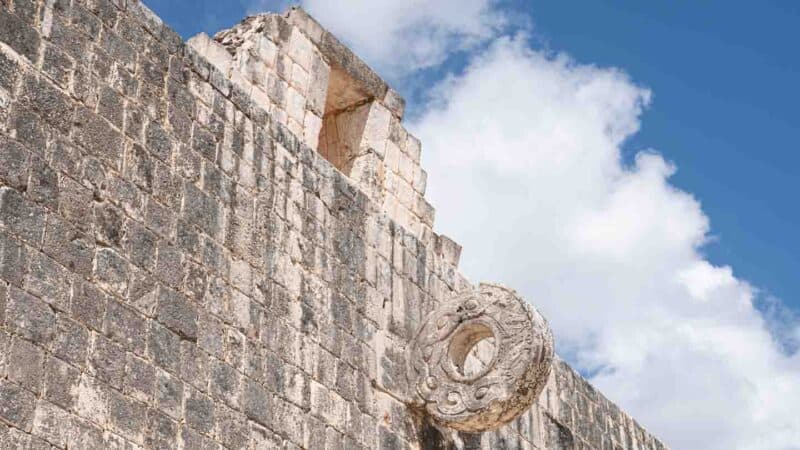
{"x": 399, "y": 37}
{"x": 525, "y": 169}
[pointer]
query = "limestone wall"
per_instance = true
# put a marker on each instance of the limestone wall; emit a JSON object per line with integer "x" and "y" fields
{"x": 179, "y": 266}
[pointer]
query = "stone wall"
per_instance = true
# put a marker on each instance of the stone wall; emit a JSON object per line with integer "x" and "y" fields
{"x": 179, "y": 266}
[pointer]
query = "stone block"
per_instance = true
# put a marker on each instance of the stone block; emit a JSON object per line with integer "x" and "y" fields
{"x": 163, "y": 347}
{"x": 49, "y": 423}
{"x": 16, "y": 405}
{"x": 201, "y": 210}
{"x": 140, "y": 379}
{"x": 140, "y": 245}
{"x": 128, "y": 416}
{"x": 158, "y": 141}
{"x": 48, "y": 280}
{"x": 14, "y": 160}
{"x": 125, "y": 326}
{"x": 198, "y": 411}
{"x": 61, "y": 383}
{"x": 111, "y": 271}
{"x": 29, "y": 317}
{"x": 169, "y": 394}
{"x": 19, "y": 35}
{"x": 21, "y": 217}
{"x": 138, "y": 167}
{"x": 13, "y": 260}
{"x": 257, "y": 403}
{"x": 111, "y": 106}
{"x": 99, "y": 139}
{"x": 224, "y": 383}
{"x": 194, "y": 365}
{"x": 71, "y": 342}
{"x": 107, "y": 361}
{"x": 68, "y": 246}
{"x": 26, "y": 365}
{"x": 9, "y": 70}
{"x": 177, "y": 313}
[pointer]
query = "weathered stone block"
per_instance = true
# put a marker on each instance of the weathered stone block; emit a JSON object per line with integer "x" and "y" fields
{"x": 177, "y": 313}
{"x": 75, "y": 203}
{"x": 29, "y": 317}
{"x": 128, "y": 417}
{"x": 26, "y": 366}
{"x": 169, "y": 394}
{"x": 139, "y": 168}
{"x": 97, "y": 137}
{"x": 107, "y": 361}
{"x": 257, "y": 403}
{"x": 13, "y": 260}
{"x": 48, "y": 280}
{"x": 16, "y": 405}
{"x": 21, "y": 217}
{"x": 89, "y": 305}
{"x": 14, "y": 160}
{"x": 111, "y": 271}
{"x": 140, "y": 245}
{"x": 71, "y": 342}
{"x": 125, "y": 326}
{"x": 201, "y": 210}
{"x": 49, "y": 423}
{"x": 61, "y": 383}
{"x": 163, "y": 347}
{"x": 199, "y": 411}
{"x": 18, "y": 34}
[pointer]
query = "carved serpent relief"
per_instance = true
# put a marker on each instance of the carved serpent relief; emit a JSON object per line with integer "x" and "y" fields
{"x": 512, "y": 374}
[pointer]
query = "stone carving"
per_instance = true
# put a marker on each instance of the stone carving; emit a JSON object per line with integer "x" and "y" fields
{"x": 471, "y": 395}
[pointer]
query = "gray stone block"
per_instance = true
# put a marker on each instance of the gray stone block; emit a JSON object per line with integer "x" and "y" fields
{"x": 30, "y": 317}
{"x": 18, "y": 34}
{"x": 16, "y": 405}
{"x": 177, "y": 313}
{"x": 61, "y": 383}
{"x": 21, "y": 217}
{"x": 199, "y": 411}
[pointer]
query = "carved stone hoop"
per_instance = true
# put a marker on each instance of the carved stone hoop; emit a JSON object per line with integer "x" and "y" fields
{"x": 511, "y": 375}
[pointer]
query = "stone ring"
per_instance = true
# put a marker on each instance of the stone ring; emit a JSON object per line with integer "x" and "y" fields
{"x": 480, "y": 360}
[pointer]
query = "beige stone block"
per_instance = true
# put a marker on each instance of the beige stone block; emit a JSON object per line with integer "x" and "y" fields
{"x": 392, "y": 156}
{"x": 405, "y": 193}
{"x": 318, "y": 84}
{"x": 311, "y": 128}
{"x": 306, "y": 23}
{"x": 413, "y": 148}
{"x": 227, "y": 160}
{"x": 267, "y": 51}
{"x": 296, "y": 105}
{"x": 300, "y": 78}
{"x": 214, "y": 52}
{"x": 300, "y": 48}
{"x": 241, "y": 275}
{"x": 406, "y": 167}
{"x": 295, "y": 127}
{"x": 240, "y": 310}
{"x": 395, "y": 103}
{"x": 420, "y": 180}
{"x": 279, "y": 114}
{"x": 376, "y": 129}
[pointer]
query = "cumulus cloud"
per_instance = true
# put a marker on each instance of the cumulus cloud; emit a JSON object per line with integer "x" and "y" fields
{"x": 399, "y": 37}
{"x": 523, "y": 151}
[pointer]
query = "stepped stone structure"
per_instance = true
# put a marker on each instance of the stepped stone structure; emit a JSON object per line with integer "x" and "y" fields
{"x": 225, "y": 243}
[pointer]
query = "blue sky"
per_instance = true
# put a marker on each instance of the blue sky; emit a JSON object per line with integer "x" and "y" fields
{"x": 629, "y": 167}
